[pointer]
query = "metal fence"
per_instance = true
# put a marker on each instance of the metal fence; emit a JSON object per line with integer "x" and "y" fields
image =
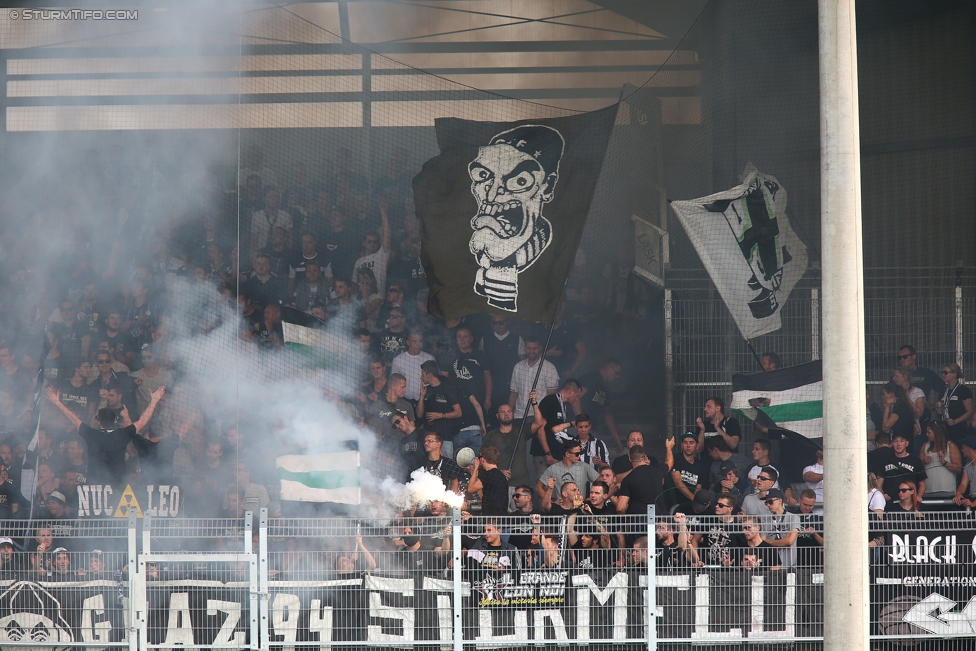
{"x": 442, "y": 582}
{"x": 933, "y": 309}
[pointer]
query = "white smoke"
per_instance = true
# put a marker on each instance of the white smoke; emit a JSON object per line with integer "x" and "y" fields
{"x": 422, "y": 489}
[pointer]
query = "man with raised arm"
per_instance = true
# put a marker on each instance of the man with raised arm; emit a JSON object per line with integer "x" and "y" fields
{"x": 106, "y": 446}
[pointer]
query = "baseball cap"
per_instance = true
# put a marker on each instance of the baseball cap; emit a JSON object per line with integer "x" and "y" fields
{"x": 58, "y": 550}
{"x": 397, "y": 413}
{"x": 773, "y": 494}
{"x": 702, "y": 500}
{"x": 6, "y": 541}
{"x": 969, "y": 440}
{"x": 58, "y": 496}
{"x": 727, "y": 466}
{"x": 688, "y": 435}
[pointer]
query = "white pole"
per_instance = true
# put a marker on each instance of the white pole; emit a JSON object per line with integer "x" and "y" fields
{"x": 846, "y": 594}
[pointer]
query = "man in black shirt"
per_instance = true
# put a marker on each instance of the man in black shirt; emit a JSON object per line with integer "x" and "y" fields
{"x": 690, "y": 472}
{"x": 557, "y": 409}
{"x": 439, "y": 465}
{"x": 469, "y": 372}
{"x": 492, "y": 482}
{"x": 642, "y": 486}
{"x": 596, "y": 399}
{"x": 106, "y": 447}
{"x": 895, "y": 465}
{"x": 716, "y": 423}
{"x": 391, "y": 342}
{"x": 439, "y": 405}
{"x": 411, "y": 444}
{"x": 924, "y": 378}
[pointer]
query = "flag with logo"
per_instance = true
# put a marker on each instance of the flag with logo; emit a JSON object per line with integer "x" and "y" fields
{"x": 744, "y": 239}
{"x": 789, "y": 398}
{"x": 327, "y": 477}
{"x": 502, "y": 210}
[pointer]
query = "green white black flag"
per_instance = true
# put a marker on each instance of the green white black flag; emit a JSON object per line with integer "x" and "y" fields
{"x": 789, "y": 398}
{"x": 502, "y": 210}
{"x": 744, "y": 239}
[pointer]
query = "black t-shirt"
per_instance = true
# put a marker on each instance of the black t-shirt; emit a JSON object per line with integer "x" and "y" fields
{"x": 521, "y": 528}
{"x": 106, "y": 451}
{"x": 9, "y": 496}
{"x": 412, "y": 450}
{"x": 905, "y": 425}
{"x": 494, "y": 497}
{"x": 446, "y": 469}
{"x": 342, "y": 249}
{"x": 621, "y": 464}
{"x": 928, "y": 381}
{"x": 717, "y": 541}
{"x": 643, "y": 486}
{"x": 954, "y": 406}
{"x": 729, "y": 424}
{"x": 80, "y": 400}
{"x": 556, "y": 413}
{"x": 694, "y": 473}
{"x": 389, "y": 344}
{"x": 669, "y": 555}
{"x": 808, "y": 552}
{"x": 468, "y": 373}
{"x": 442, "y": 400}
{"x": 894, "y": 470}
{"x": 596, "y": 401}
{"x": 766, "y": 554}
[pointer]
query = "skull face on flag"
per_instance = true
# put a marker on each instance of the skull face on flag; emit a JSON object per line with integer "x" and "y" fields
{"x": 29, "y": 613}
{"x": 512, "y": 178}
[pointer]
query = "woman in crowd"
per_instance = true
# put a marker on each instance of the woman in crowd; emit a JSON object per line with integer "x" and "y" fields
{"x": 876, "y": 500}
{"x": 903, "y": 378}
{"x": 906, "y": 501}
{"x": 942, "y": 460}
{"x": 957, "y": 402}
{"x": 899, "y": 416}
{"x": 370, "y": 295}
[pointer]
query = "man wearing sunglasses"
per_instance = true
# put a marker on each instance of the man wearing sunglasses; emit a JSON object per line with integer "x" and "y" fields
{"x": 781, "y": 528}
{"x": 924, "y": 378}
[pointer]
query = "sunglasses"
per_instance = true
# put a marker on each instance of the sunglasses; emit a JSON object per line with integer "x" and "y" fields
{"x": 762, "y": 478}
{"x": 904, "y": 356}
{"x": 397, "y": 421}
{"x": 521, "y": 495}
{"x": 947, "y": 372}
{"x": 575, "y": 454}
{"x": 723, "y": 506}
{"x": 905, "y": 490}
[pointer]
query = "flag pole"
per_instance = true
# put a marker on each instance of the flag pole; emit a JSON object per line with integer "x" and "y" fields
{"x": 758, "y": 359}
{"x": 528, "y": 403}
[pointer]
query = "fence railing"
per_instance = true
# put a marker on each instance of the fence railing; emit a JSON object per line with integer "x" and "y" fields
{"x": 448, "y": 582}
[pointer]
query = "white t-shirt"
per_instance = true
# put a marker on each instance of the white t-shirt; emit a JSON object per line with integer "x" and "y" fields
{"x": 522, "y": 378}
{"x": 816, "y": 487}
{"x": 377, "y": 262}
{"x": 876, "y": 500}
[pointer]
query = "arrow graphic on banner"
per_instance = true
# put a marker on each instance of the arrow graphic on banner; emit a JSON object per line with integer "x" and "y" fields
{"x": 932, "y": 614}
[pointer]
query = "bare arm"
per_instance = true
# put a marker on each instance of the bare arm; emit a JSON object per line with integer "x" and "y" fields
{"x": 384, "y": 228}
{"x": 55, "y": 398}
{"x": 489, "y": 387}
{"x": 474, "y": 483}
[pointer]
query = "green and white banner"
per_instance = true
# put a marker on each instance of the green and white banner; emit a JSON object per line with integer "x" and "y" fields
{"x": 789, "y": 398}
{"x": 327, "y": 477}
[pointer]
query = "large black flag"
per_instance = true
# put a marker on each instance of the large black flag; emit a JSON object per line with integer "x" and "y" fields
{"x": 502, "y": 210}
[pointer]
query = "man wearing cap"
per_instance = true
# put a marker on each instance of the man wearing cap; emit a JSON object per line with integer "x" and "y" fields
{"x": 54, "y": 507}
{"x": 411, "y": 446}
{"x": 7, "y": 557}
{"x": 896, "y": 464}
{"x": 753, "y": 504}
{"x": 690, "y": 471}
{"x": 966, "y": 493}
{"x": 732, "y": 481}
{"x": 780, "y": 528}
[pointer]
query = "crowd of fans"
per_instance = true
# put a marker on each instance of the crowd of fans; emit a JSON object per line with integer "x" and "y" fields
{"x": 98, "y": 324}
